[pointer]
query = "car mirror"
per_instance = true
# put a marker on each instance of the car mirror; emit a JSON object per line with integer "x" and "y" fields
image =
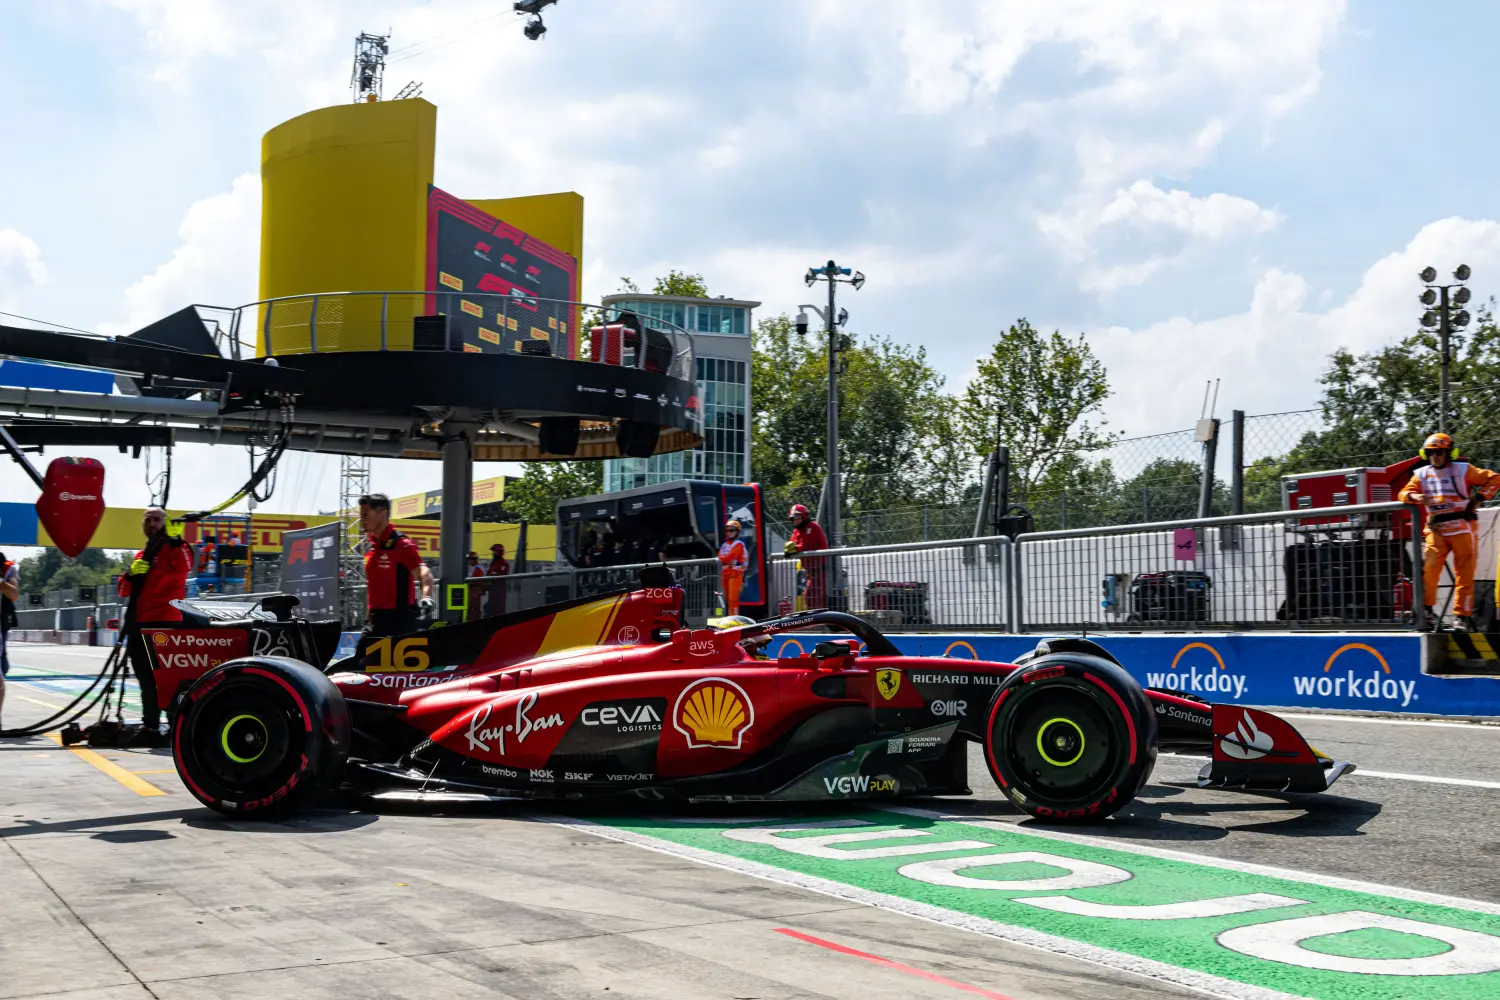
{"x": 830, "y": 648}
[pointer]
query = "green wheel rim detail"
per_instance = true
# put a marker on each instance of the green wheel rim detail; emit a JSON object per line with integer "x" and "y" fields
{"x": 1042, "y": 748}
{"x": 263, "y": 740}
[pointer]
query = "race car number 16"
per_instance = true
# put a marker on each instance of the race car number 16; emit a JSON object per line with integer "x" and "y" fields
{"x": 408, "y": 654}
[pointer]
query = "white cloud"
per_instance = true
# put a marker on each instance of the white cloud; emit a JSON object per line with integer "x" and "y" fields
{"x": 1144, "y": 205}
{"x": 1176, "y": 219}
{"x": 215, "y": 264}
{"x": 21, "y": 265}
{"x": 1270, "y": 355}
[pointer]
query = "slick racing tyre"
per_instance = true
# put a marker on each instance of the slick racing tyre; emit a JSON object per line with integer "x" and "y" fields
{"x": 257, "y": 736}
{"x": 1070, "y": 737}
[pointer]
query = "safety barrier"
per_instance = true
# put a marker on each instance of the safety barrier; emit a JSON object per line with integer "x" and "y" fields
{"x": 1327, "y": 568}
{"x": 965, "y": 583}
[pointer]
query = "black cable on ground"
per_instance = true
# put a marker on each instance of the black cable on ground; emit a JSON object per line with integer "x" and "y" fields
{"x": 111, "y": 664}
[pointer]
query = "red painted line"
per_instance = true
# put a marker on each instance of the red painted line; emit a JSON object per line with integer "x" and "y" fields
{"x": 897, "y": 966}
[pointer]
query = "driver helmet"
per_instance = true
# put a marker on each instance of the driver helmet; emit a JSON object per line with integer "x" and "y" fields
{"x": 1437, "y": 442}
{"x": 729, "y": 621}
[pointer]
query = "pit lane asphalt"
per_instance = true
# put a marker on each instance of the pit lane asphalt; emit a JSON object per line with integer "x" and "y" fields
{"x": 110, "y": 894}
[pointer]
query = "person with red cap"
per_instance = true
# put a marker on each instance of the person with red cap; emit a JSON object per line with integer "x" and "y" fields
{"x": 499, "y": 566}
{"x": 734, "y": 559}
{"x": 807, "y": 536}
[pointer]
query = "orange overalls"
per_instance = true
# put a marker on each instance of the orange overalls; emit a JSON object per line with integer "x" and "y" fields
{"x": 734, "y": 559}
{"x": 1445, "y": 493}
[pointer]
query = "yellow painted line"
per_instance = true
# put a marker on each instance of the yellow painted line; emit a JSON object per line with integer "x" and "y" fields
{"x": 138, "y": 785}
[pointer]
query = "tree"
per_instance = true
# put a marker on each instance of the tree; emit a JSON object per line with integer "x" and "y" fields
{"x": 49, "y": 569}
{"x": 534, "y": 497}
{"x": 897, "y": 440}
{"x": 1043, "y": 395}
{"x": 681, "y": 283}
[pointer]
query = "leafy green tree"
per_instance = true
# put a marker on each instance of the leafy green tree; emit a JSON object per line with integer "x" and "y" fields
{"x": 534, "y": 497}
{"x": 1042, "y": 395}
{"x": 681, "y": 283}
{"x": 49, "y": 569}
{"x": 897, "y": 439}
{"x": 1166, "y": 490}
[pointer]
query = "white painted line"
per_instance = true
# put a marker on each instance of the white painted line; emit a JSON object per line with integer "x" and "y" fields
{"x": 1158, "y": 971}
{"x": 1127, "y": 847}
{"x": 1475, "y": 726}
{"x": 1427, "y": 778}
{"x": 1360, "y": 772}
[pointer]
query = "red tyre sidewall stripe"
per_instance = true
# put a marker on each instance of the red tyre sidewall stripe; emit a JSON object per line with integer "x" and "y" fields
{"x": 989, "y": 742}
{"x": 203, "y": 796}
{"x": 306, "y": 716}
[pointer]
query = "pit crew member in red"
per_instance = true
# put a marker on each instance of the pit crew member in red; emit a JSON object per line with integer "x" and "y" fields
{"x": 499, "y": 566}
{"x": 393, "y": 569}
{"x": 157, "y": 577}
{"x": 807, "y": 536}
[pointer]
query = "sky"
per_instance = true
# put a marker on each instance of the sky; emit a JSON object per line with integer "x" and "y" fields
{"x": 1204, "y": 190}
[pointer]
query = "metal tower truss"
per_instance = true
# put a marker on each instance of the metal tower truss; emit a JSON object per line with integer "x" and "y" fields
{"x": 354, "y": 482}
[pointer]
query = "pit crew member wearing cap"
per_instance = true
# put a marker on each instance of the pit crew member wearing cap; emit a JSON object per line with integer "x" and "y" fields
{"x": 1449, "y": 491}
{"x": 734, "y": 559}
{"x": 807, "y": 536}
{"x": 156, "y": 578}
{"x": 499, "y": 566}
{"x": 393, "y": 569}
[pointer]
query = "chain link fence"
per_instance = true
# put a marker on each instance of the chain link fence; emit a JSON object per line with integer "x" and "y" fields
{"x": 1158, "y": 477}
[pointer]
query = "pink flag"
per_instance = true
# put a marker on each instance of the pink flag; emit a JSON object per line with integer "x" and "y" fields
{"x": 1185, "y": 544}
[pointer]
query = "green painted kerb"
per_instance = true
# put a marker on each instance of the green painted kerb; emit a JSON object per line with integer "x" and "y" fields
{"x": 1283, "y": 934}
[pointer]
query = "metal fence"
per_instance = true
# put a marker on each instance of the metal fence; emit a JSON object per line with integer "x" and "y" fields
{"x": 1339, "y": 570}
{"x": 515, "y": 322}
{"x": 1334, "y": 568}
{"x": 935, "y": 584}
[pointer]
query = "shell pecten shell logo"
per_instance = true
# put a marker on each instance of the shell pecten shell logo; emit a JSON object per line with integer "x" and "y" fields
{"x": 160, "y": 638}
{"x": 713, "y": 712}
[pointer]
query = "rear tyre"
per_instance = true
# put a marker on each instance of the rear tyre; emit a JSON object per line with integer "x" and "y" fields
{"x": 256, "y": 737}
{"x": 1070, "y": 738}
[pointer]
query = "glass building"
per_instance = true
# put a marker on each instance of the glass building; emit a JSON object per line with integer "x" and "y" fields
{"x": 721, "y": 337}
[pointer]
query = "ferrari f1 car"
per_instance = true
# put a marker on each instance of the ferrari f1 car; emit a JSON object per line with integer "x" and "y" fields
{"x": 613, "y": 696}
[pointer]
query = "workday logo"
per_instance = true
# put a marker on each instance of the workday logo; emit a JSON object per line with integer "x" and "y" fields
{"x": 1203, "y": 673}
{"x": 1368, "y": 684}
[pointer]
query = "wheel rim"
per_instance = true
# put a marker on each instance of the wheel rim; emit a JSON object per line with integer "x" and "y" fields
{"x": 244, "y": 738}
{"x": 1062, "y": 742}
{"x": 240, "y": 740}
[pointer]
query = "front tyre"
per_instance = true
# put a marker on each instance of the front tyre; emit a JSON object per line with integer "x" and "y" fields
{"x": 1070, "y": 738}
{"x": 257, "y": 736}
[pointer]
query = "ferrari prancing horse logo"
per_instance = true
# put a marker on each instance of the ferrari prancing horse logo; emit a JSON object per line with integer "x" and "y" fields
{"x": 888, "y": 681}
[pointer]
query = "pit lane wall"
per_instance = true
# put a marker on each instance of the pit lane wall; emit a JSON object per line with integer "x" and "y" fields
{"x": 1370, "y": 672}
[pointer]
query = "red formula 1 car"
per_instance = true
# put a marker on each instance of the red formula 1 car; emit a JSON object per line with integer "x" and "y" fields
{"x": 612, "y": 696}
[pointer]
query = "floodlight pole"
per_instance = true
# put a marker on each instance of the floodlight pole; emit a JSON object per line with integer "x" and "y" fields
{"x": 1446, "y": 322}
{"x": 1444, "y": 330}
{"x": 833, "y": 498}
